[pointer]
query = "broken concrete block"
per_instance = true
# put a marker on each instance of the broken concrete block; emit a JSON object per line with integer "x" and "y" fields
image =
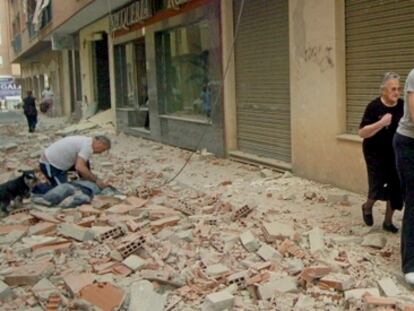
{"x": 289, "y": 247}
{"x": 12, "y": 237}
{"x": 217, "y": 270}
{"x": 316, "y": 240}
{"x": 249, "y": 241}
{"x": 136, "y": 202}
{"x": 275, "y": 230}
{"x": 41, "y": 228}
{"x": 379, "y": 301}
{"x": 134, "y": 262}
{"x": 268, "y": 253}
{"x": 218, "y": 301}
{"x": 239, "y": 279}
{"x": 130, "y": 247}
{"x": 356, "y": 294}
{"x": 144, "y": 298}
{"x": 389, "y": 288}
{"x": 75, "y": 282}
{"x": 104, "y": 295}
{"x": 374, "y": 240}
{"x": 44, "y": 216}
{"x": 76, "y": 232}
{"x": 5, "y": 291}
{"x": 314, "y": 272}
{"x": 242, "y": 212}
{"x": 28, "y": 274}
{"x": 164, "y": 222}
{"x": 293, "y": 266}
{"x": 338, "y": 281}
{"x": 44, "y": 288}
{"x": 110, "y": 233}
{"x": 285, "y": 284}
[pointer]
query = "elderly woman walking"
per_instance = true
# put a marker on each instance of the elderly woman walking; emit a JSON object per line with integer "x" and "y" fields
{"x": 377, "y": 128}
{"x": 404, "y": 153}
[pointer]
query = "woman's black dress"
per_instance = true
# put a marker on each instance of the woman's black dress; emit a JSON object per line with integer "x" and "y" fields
{"x": 379, "y": 156}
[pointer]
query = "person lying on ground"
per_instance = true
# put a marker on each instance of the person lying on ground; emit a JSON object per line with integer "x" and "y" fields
{"x": 72, "y": 194}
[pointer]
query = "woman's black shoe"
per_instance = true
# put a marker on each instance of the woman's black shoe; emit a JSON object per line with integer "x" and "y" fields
{"x": 389, "y": 227}
{"x": 368, "y": 219}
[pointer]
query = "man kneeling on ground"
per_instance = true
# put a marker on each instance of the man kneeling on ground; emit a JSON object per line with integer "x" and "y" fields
{"x": 72, "y": 153}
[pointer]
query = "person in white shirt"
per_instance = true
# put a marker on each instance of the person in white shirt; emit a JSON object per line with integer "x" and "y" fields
{"x": 47, "y": 98}
{"x": 72, "y": 153}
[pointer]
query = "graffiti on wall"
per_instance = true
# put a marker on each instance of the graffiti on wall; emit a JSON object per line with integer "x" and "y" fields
{"x": 322, "y": 56}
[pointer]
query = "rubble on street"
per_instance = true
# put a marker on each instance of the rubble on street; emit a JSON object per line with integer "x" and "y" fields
{"x": 221, "y": 236}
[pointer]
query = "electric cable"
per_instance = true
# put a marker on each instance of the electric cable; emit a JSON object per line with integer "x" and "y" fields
{"x": 219, "y": 95}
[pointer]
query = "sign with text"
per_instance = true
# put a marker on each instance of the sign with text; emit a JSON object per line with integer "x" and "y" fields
{"x": 136, "y": 12}
{"x": 9, "y": 87}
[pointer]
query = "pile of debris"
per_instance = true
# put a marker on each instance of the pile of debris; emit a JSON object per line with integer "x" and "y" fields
{"x": 179, "y": 248}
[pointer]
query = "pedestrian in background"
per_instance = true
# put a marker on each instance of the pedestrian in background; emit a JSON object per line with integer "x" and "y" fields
{"x": 47, "y": 100}
{"x": 30, "y": 111}
{"x": 378, "y": 126}
{"x": 404, "y": 153}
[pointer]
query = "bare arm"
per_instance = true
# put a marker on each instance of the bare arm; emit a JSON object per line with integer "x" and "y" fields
{"x": 84, "y": 171}
{"x": 370, "y": 130}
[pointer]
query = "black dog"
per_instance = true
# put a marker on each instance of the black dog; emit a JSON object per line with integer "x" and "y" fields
{"x": 16, "y": 189}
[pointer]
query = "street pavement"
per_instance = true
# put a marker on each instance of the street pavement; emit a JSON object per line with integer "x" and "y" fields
{"x": 10, "y": 117}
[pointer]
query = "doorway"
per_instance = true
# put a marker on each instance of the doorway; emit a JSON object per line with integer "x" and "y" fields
{"x": 102, "y": 82}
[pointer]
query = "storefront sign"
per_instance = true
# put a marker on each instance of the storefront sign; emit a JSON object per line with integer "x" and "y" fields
{"x": 134, "y": 13}
{"x": 175, "y": 4}
{"x": 9, "y": 87}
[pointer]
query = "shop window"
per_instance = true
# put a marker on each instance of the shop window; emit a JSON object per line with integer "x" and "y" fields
{"x": 183, "y": 71}
{"x": 131, "y": 78}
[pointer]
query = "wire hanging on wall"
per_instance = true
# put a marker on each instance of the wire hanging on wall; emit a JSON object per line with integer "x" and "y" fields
{"x": 215, "y": 102}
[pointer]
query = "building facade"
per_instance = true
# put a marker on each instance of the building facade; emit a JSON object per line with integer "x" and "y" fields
{"x": 282, "y": 83}
{"x": 327, "y": 60}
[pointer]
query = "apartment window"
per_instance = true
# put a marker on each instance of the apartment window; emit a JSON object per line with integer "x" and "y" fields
{"x": 1, "y": 61}
{"x": 46, "y": 15}
{"x": 1, "y": 41}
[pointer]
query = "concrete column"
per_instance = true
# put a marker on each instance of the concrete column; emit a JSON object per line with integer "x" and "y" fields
{"x": 229, "y": 83}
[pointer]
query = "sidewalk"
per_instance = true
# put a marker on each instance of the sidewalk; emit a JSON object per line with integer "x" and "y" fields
{"x": 220, "y": 235}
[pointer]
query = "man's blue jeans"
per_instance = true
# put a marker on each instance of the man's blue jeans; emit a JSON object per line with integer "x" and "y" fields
{"x": 404, "y": 156}
{"x": 53, "y": 174}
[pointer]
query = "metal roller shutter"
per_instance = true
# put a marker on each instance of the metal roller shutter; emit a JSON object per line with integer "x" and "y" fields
{"x": 262, "y": 79}
{"x": 379, "y": 38}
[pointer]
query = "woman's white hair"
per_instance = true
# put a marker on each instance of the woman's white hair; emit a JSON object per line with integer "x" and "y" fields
{"x": 389, "y": 76}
